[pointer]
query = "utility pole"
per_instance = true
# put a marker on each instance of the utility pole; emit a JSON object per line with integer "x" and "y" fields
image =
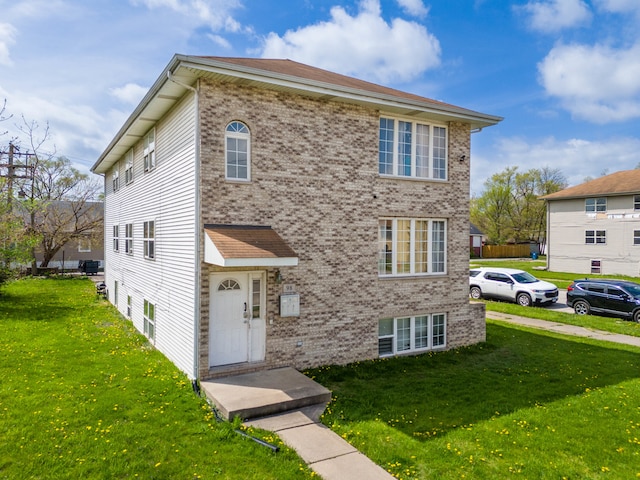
{"x": 14, "y": 171}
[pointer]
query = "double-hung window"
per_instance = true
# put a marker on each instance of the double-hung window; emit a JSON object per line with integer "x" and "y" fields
{"x": 237, "y": 152}
{"x": 149, "y": 239}
{"x": 84, "y": 244}
{"x": 149, "y": 320}
{"x": 149, "y": 150}
{"x": 115, "y": 178}
{"x": 410, "y": 334}
{"x": 636, "y": 237}
{"x": 116, "y": 238}
{"x": 410, "y": 246}
{"x": 128, "y": 167}
{"x": 595, "y": 205}
{"x": 412, "y": 149}
{"x": 595, "y": 236}
{"x": 128, "y": 239}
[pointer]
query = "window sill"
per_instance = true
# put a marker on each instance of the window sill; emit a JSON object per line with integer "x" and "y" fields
{"x": 413, "y": 276}
{"x": 412, "y": 179}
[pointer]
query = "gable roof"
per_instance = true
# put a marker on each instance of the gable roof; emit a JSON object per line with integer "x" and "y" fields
{"x": 183, "y": 72}
{"x": 620, "y": 183}
{"x": 246, "y": 246}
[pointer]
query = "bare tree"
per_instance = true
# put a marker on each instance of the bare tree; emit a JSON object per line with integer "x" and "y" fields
{"x": 61, "y": 203}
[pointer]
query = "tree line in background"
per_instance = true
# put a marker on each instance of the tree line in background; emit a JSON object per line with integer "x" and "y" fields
{"x": 45, "y": 202}
{"x": 510, "y": 208}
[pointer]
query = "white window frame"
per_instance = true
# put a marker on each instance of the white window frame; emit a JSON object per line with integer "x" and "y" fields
{"x": 115, "y": 178}
{"x": 128, "y": 238}
{"x": 149, "y": 150}
{"x": 391, "y": 248}
{"x": 595, "y": 205}
{"x": 116, "y": 238}
{"x": 128, "y": 167}
{"x": 436, "y": 338}
{"x": 426, "y": 151}
{"x": 597, "y": 237}
{"x": 149, "y": 239}
{"x": 149, "y": 323}
{"x": 238, "y": 132}
{"x": 84, "y": 244}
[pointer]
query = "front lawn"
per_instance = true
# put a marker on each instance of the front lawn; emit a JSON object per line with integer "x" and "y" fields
{"x": 525, "y": 404}
{"x": 561, "y": 280}
{"x": 84, "y": 396}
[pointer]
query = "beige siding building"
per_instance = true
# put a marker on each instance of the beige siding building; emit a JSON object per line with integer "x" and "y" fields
{"x": 594, "y": 228}
{"x": 275, "y": 214}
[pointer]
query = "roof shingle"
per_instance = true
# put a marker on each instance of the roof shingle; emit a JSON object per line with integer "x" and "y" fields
{"x": 619, "y": 183}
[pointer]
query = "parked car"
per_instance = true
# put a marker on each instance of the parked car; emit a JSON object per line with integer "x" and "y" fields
{"x": 619, "y": 298}
{"x": 510, "y": 284}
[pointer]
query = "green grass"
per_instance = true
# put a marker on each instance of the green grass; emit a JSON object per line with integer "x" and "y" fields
{"x": 525, "y": 404}
{"x": 83, "y": 395}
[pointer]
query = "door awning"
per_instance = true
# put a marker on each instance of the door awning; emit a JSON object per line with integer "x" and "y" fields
{"x": 246, "y": 246}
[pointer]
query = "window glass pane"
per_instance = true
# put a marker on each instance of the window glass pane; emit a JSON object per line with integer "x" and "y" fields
{"x": 403, "y": 334}
{"x": 255, "y": 299}
{"x": 385, "y": 155}
{"x": 422, "y": 246}
{"x": 439, "y": 152}
{"x": 404, "y": 148}
{"x": 403, "y": 246}
{"x": 438, "y": 246}
{"x": 385, "y": 346}
{"x": 422, "y": 151}
{"x": 385, "y": 327}
{"x": 438, "y": 330}
{"x": 422, "y": 332}
{"x": 385, "y": 245}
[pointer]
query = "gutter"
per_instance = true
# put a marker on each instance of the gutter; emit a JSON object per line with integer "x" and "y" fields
{"x": 198, "y": 230}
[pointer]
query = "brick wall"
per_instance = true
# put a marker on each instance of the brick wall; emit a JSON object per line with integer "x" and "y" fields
{"x": 314, "y": 177}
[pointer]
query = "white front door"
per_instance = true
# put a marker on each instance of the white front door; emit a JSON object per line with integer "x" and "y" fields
{"x": 236, "y": 318}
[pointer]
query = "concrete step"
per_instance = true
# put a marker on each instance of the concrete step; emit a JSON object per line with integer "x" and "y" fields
{"x": 264, "y": 393}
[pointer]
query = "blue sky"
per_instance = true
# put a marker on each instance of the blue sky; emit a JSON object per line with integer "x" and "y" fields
{"x": 565, "y": 74}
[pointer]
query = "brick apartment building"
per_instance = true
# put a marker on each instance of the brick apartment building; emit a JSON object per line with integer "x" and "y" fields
{"x": 265, "y": 213}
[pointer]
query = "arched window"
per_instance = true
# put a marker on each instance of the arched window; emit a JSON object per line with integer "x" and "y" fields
{"x": 237, "y": 151}
{"x": 228, "y": 285}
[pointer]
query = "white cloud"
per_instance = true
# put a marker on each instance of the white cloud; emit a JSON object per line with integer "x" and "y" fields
{"x": 414, "y": 7}
{"x": 7, "y": 38}
{"x": 576, "y": 158}
{"x": 363, "y": 45}
{"x": 618, "y": 6}
{"x": 596, "y": 83}
{"x": 554, "y": 15}
{"x": 130, "y": 93}
{"x": 217, "y": 14}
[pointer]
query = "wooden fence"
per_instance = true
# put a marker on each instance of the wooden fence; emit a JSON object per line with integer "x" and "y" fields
{"x": 506, "y": 251}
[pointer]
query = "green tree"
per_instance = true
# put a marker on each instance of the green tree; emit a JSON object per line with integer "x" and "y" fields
{"x": 510, "y": 208}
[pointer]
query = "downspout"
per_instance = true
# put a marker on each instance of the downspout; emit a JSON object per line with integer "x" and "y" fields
{"x": 197, "y": 267}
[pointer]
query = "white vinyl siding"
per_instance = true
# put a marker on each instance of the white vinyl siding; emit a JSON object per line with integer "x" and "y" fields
{"x": 168, "y": 198}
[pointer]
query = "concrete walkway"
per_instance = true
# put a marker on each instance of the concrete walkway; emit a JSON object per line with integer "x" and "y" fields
{"x": 288, "y": 403}
{"x": 566, "y": 329}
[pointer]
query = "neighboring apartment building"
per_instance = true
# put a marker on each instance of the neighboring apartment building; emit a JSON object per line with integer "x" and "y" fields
{"x": 265, "y": 213}
{"x": 594, "y": 228}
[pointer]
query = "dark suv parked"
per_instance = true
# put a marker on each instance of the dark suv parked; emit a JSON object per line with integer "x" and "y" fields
{"x": 613, "y": 297}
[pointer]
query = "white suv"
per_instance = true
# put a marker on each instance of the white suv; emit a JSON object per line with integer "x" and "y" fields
{"x": 510, "y": 284}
